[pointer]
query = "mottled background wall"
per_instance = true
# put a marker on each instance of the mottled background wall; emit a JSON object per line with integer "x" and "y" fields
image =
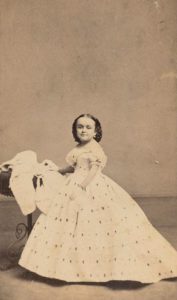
{"x": 115, "y": 59}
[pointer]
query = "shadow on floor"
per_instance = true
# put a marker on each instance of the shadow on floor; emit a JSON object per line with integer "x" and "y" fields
{"x": 113, "y": 285}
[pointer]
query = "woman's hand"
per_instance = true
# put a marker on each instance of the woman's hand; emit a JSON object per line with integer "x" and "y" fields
{"x": 78, "y": 192}
{"x": 90, "y": 176}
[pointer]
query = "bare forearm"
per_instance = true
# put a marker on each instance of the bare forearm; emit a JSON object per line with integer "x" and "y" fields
{"x": 67, "y": 169}
{"x": 92, "y": 173}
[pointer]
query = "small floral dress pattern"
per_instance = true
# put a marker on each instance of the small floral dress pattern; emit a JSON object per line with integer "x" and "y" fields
{"x": 100, "y": 235}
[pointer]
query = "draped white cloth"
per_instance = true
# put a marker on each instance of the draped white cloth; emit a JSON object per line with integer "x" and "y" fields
{"x": 24, "y": 167}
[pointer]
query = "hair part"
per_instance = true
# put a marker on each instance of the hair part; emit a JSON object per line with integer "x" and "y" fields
{"x": 98, "y": 129}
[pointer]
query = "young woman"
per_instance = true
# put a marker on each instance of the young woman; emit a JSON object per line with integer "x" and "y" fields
{"x": 93, "y": 230}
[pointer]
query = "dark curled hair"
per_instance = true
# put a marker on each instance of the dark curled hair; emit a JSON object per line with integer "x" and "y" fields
{"x": 98, "y": 128}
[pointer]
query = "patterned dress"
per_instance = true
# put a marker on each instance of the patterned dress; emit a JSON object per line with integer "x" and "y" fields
{"x": 98, "y": 235}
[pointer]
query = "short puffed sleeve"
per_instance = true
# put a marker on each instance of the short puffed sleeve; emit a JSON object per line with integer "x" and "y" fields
{"x": 97, "y": 158}
{"x": 71, "y": 158}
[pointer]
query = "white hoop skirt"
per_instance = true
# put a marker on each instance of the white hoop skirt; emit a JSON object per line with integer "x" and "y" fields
{"x": 99, "y": 236}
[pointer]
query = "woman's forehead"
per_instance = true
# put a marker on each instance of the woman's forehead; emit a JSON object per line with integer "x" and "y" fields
{"x": 85, "y": 121}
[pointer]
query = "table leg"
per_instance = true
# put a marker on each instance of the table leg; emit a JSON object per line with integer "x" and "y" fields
{"x": 29, "y": 223}
{"x": 14, "y": 250}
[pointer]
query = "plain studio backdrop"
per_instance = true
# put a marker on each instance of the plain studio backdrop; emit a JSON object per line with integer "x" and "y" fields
{"x": 114, "y": 59}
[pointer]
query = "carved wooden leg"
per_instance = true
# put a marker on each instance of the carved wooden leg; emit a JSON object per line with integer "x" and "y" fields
{"x": 15, "y": 249}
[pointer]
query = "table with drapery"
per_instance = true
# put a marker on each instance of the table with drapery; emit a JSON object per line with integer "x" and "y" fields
{"x": 22, "y": 230}
{"x": 33, "y": 185}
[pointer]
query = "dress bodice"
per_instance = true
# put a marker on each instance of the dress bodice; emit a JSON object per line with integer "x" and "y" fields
{"x": 83, "y": 157}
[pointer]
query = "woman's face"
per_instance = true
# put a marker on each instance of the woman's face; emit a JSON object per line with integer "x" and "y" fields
{"x": 85, "y": 129}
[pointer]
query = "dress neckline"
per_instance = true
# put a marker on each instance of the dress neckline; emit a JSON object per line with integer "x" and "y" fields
{"x": 88, "y": 145}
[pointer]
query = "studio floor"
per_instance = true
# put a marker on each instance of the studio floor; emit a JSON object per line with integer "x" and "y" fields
{"x": 18, "y": 283}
